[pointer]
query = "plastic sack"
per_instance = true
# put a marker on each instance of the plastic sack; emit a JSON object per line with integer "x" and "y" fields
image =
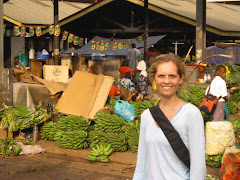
{"x": 125, "y": 110}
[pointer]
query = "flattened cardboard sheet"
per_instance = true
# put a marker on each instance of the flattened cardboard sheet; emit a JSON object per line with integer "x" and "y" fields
{"x": 85, "y": 94}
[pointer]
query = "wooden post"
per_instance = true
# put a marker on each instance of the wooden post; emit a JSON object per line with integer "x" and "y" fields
{"x": 146, "y": 31}
{"x": 1, "y": 36}
{"x": 200, "y": 30}
{"x": 56, "y": 38}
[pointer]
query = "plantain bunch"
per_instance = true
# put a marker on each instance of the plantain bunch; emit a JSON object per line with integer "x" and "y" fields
{"x": 118, "y": 141}
{"x": 214, "y": 161}
{"x": 9, "y": 147}
{"x": 71, "y": 123}
{"x": 48, "y": 131}
{"x": 142, "y": 106}
{"x": 111, "y": 101}
{"x": 100, "y": 152}
{"x": 232, "y": 107}
{"x": 236, "y": 124}
{"x": 233, "y": 78}
{"x": 108, "y": 122}
{"x": 235, "y": 97}
{"x": 73, "y": 139}
{"x": 196, "y": 95}
{"x": 131, "y": 130}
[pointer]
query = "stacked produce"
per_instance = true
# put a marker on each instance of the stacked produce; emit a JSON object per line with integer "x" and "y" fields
{"x": 214, "y": 161}
{"x": 236, "y": 124}
{"x": 19, "y": 117}
{"x": 233, "y": 79}
{"x": 9, "y": 147}
{"x": 69, "y": 132}
{"x": 232, "y": 107}
{"x": 100, "y": 153}
{"x": 142, "y": 106}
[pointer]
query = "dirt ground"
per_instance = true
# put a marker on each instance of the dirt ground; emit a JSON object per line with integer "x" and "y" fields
{"x": 50, "y": 166}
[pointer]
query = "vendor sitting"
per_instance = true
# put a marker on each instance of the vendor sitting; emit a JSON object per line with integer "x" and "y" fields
{"x": 126, "y": 72}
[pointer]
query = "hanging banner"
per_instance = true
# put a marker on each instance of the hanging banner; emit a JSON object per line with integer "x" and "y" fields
{"x": 115, "y": 45}
{"x": 4, "y": 28}
{"x": 16, "y": 30}
{"x": 139, "y": 39}
{"x": 23, "y": 31}
{"x": 93, "y": 44}
{"x": 75, "y": 40}
{"x": 124, "y": 44}
{"x": 38, "y": 31}
{"x": 81, "y": 40}
{"x": 120, "y": 45}
{"x": 65, "y": 35}
{"x": 70, "y": 38}
{"x": 129, "y": 43}
{"x": 51, "y": 29}
{"x": 102, "y": 45}
{"x": 57, "y": 30}
{"x": 31, "y": 31}
{"x": 106, "y": 46}
{"x": 97, "y": 45}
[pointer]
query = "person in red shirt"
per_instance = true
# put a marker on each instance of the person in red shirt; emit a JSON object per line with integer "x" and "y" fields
{"x": 126, "y": 72}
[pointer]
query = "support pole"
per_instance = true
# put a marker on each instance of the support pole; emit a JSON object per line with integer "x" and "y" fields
{"x": 200, "y": 30}
{"x": 1, "y": 36}
{"x": 146, "y": 31}
{"x": 56, "y": 38}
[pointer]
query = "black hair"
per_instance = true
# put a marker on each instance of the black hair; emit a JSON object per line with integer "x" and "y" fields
{"x": 220, "y": 66}
{"x": 133, "y": 45}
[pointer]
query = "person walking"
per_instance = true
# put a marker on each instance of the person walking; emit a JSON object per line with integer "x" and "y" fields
{"x": 158, "y": 156}
{"x": 132, "y": 57}
{"x": 218, "y": 88}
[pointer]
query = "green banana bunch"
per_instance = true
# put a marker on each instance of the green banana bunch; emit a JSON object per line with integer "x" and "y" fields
{"x": 71, "y": 123}
{"x": 196, "y": 95}
{"x": 100, "y": 153}
{"x": 108, "y": 122}
{"x": 213, "y": 161}
{"x": 73, "y": 140}
{"x": 9, "y": 147}
{"x": 142, "y": 106}
{"x": 48, "y": 131}
{"x": 131, "y": 130}
{"x": 111, "y": 101}
{"x": 235, "y": 97}
{"x": 232, "y": 107}
{"x": 236, "y": 124}
{"x": 118, "y": 141}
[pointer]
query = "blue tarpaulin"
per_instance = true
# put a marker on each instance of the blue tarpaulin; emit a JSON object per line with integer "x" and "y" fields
{"x": 233, "y": 51}
{"x": 86, "y": 49}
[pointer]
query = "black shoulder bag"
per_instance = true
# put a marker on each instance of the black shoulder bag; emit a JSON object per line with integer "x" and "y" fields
{"x": 171, "y": 134}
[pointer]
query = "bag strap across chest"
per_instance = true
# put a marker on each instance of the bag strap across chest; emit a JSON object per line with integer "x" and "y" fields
{"x": 171, "y": 134}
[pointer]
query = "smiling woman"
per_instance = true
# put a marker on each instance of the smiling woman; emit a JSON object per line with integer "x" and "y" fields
{"x": 158, "y": 157}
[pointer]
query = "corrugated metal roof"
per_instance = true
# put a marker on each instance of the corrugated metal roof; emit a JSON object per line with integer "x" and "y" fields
{"x": 221, "y": 16}
{"x": 39, "y": 11}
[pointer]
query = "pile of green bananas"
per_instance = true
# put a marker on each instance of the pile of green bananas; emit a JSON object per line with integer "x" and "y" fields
{"x": 48, "y": 131}
{"x": 207, "y": 117}
{"x": 108, "y": 122}
{"x": 9, "y": 147}
{"x": 73, "y": 139}
{"x": 71, "y": 123}
{"x": 192, "y": 94}
{"x": 196, "y": 95}
{"x": 100, "y": 152}
{"x": 214, "y": 161}
{"x": 235, "y": 97}
{"x": 118, "y": 141}
{"x": 142, "y": 106}
{"x": 232, "y": 107}
{"x": 14, "y": 118}
{"x": 111, "y": 101}
{"x": 131, "y": 130}
{"x": 236, "y": 124}
{"x": 233, "y": 78}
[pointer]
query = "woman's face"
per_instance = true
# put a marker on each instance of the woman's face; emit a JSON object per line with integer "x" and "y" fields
{"x": 167, "y": 79}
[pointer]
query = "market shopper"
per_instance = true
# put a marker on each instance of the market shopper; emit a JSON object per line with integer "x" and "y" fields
{"x": 132, "y": 57}
{"x": 142, "y": 82}
{"x": 156, "y": 158}
{"x": 218, "y": 88}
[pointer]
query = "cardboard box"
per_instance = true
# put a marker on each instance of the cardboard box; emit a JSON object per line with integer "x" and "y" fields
{"x": 85, "y": 94}
{"x": 67, "y": 61}
{"x": 56, "y": 73}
